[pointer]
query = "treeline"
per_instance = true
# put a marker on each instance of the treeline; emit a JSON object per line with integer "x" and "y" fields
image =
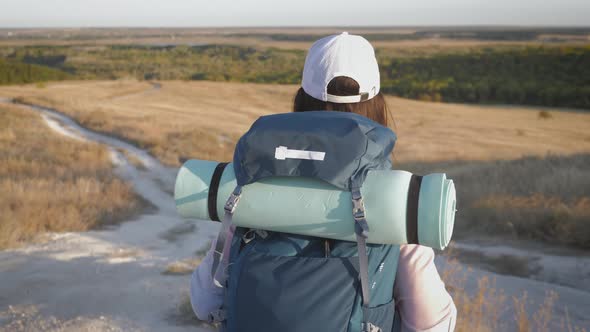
{"x": 171, "y": 62}
{"x": 489, "y": 34}
{"x": 21, "y": 73}
{"x": 534, "y": 76}
{"x": 307, "y": 35}
{"x": 550, "y": 76}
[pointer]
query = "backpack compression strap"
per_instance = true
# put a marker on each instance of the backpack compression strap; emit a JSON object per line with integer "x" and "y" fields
{"x": 361, "y": 229}
{"x": 412, "y": 209}
{"x": 221, "y": 253}
{"x": 213, "y": 190}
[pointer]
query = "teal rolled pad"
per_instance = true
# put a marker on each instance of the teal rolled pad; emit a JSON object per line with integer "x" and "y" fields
{"x": 304, "y": 206}
{"x": 191, "y": 189}
{"x": 436, "y": 211}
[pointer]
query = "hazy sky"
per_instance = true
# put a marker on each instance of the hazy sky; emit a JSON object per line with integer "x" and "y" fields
{"x": 67, "y": 13}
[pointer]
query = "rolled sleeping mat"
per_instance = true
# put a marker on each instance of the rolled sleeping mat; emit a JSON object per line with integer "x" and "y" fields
{"x": 400, "y": 207}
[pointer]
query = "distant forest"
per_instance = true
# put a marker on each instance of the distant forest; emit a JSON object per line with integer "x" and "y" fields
{"x": 547, "y": 34}
{"x": 12, "y": 72}
{"x": 533, "y": 75}
{"x": 482, "y": 33}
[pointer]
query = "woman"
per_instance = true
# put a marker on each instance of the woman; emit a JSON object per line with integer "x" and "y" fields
{"x": 341, "y": 74}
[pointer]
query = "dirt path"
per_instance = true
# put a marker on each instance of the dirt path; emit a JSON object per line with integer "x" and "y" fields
{"x": 111, "y": 279}
{"x": 115, "y": 280}
{"x": 565, "y": 267}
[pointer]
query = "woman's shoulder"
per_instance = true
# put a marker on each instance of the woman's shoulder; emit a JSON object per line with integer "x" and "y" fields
{"x": 415, "y": 255}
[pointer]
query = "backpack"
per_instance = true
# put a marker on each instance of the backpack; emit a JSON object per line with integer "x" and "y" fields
{"x": 287, "y": 282}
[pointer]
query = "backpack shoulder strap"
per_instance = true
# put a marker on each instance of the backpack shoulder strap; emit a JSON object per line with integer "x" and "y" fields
{"x": 221, "y": 253}
{"x": 361, "y": 228}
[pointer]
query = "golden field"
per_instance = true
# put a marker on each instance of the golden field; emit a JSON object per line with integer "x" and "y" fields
{"x": 204, "y": 119}
{"x": 502, "y": 156}
{"x": 49, "y": 183}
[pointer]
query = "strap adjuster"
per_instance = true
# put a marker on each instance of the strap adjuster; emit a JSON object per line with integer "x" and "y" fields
{"x": 358, "y": 208}
{"x": 233, "y": 200}
{"x": 361, "y": 226}
{"x": 262, "y": 233}
{"x": 217, "y": 316}
{"x": 248, "y": 236}
{"x": 370, "y": 327}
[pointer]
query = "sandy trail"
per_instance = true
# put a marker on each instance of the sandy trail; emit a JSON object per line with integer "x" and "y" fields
{"x": 108, "y": 279}
{"x": 569, "y": 268}
{"x": 112, "y": 280}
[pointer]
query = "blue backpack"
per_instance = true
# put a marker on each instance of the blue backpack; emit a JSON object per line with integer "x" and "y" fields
{"x": 285, "y": 282}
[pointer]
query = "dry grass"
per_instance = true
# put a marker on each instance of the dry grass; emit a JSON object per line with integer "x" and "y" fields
{"x": 545, "y": 115}
{"x": 184, "y": 315}
{"x": 532, "y": 198}
{"x": 183, "y": 267}
{"x": 52, "y": 184}
{"x": 482, "y": 311}
{"x": 29, "y": 318}
{"x": 488, "y": 309}
{"x": 204, "y": 120}
{"x": 536, "y": 201}
{"x": 169, "y": 122}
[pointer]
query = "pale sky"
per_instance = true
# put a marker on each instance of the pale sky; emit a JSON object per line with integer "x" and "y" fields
{"x": 236, "y": 13}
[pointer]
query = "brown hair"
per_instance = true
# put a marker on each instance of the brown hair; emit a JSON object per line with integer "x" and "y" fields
{"x": 374, "y": 108}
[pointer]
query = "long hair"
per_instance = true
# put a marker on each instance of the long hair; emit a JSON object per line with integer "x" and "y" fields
{"x": 374, "y": 108}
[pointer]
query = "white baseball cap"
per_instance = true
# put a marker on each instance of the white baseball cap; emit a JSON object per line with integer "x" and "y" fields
{"x": 341, "y": 55}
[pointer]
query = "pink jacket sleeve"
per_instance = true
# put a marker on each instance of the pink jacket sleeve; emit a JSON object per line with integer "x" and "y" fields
{"x": 421, "y": 297}
{"x": 204, "y": 295}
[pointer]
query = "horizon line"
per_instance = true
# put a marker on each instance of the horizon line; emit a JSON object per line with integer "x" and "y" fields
{"x": 417, "y": 26}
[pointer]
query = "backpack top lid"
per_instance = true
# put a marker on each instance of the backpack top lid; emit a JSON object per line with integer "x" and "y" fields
{"x": 337, "y": 147}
